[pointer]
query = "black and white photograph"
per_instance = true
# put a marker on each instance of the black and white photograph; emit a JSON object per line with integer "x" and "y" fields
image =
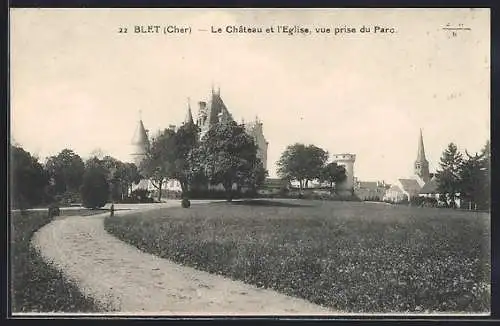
{"x": 249, "y": 162}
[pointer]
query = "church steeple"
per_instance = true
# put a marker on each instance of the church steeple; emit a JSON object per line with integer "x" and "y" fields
{"x": 189, "y": 115}
{"x": 421, "y": 150}
{"x": 421, "y": 163}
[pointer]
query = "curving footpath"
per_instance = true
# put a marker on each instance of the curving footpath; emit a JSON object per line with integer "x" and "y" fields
{"x": 124, "y": 279}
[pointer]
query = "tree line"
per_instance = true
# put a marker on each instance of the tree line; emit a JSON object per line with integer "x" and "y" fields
{"x": 225, "y": 155}
{"x": 66, "y": 178}
{"x": 465, "y": 177}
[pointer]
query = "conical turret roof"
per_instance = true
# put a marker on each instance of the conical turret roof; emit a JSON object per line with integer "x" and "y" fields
{"x": 140, "y": 140}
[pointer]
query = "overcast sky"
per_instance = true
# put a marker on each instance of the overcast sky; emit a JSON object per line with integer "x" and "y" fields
{"x": 77, "y": 83}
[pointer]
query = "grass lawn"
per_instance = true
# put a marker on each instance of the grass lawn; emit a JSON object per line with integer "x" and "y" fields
{"x": 354, "y": 257}
{"x": 36, "y": 285}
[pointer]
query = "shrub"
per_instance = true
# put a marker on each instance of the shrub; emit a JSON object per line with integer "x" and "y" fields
{"x": 54, "y": 211}
{"x": 95, "y": 188}
{"x": 185, "y": 203}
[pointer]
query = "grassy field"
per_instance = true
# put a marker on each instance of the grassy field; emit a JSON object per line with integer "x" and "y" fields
{"x": 36, "y": 285}
{"x": 354, "y": 257}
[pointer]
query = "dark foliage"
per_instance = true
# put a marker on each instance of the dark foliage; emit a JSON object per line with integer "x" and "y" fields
{"x": 95, "y": 188}
{"x": 185, "y": 203}
{"x": 29, "y": 180}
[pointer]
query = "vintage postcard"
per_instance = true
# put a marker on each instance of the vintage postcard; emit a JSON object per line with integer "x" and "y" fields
{"x": 241, "y": 162}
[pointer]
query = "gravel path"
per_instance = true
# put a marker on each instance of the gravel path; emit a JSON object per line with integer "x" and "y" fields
{"x": 124, "y": 279}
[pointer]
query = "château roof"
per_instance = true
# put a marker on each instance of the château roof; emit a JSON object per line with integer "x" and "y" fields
{"x": 140, "y": 139}
{"x": 215, "y": 107}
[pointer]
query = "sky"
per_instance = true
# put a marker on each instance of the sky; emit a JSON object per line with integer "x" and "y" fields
{"x": 76, "y": 82}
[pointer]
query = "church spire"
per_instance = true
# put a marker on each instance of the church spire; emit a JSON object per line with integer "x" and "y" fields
{"x": 421, "y": 150}
{"x": 189, "y": 115}
{"x": 421, "y": 164}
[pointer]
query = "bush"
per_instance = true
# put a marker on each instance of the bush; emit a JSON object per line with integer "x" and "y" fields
{"x": 54, "y": 211}
{"x": 185, "y": 203}
{"x": 95, "y": 188}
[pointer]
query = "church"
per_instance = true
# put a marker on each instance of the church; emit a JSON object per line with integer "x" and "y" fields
{"x": 407, "y": 188}
{"x": 210, "y": 113}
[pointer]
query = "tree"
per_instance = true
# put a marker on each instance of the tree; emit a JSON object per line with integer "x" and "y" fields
{"x": 159, "y": 164}
{"x": 256, "y": 177}
{"x": 302, "y": 163}
{"x": 95, "y": 188}
{"x": 448, "y": 177}
{"x": 333, "y": 174}
{"x": 227, "y": 155}
{"x": 473, "y": 178}
{"x": 486, "y": 154}
{"x": 66, "y": 170}
{"x": 126, "y": 175}
{"x": 185, "y": 141}
{"x": 29, "y": 179}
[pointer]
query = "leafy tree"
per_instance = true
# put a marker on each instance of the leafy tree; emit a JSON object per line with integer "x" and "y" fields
{"x": 185, "y": 141}
{"x": 126, "y": 176}
{"x": 448, "y": 177}
{"x": 302, "y": 163}
{"x": 66, "y": 170}
{"x": 333, "y": 174}
{"x": 95, "y": 187}
{"x": 227, "y": 155}
{"x": 29, "y": 179}
{"x": 159, "y": 164}
{"x": 257, "y": 176}
{"x": 473, "y": 179}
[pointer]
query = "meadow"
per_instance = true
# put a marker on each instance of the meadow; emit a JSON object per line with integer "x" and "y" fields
{"x": 351, "y": 256}
{"x": 37, "y": 286}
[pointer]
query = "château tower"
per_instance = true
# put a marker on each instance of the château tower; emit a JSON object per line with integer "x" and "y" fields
{"x": 255, "y": 129}
{"x": 346, "y": 160}
{"x": 140, "y": 144}
{"x": 421, "y": 166}
{"x": 212, "y": 112}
